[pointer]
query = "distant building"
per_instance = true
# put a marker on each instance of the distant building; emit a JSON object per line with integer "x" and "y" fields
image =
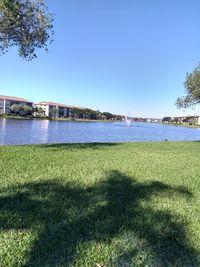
{"x": 179, "y": 120}
{"x": 56, "y": 110}
{"x": 192, "y": 120}
{"x": 7, "y": 101}
{"x": 135, "y": 119}
{"x": 153, "y": 120}
{"x": 186, "y": 120}
{"x": 149, "y": 120}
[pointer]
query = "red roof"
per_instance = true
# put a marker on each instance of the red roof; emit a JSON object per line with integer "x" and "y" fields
{"x": 54, "y": 104}
{"x": 57, "y": 104}
{"x": 13, "y": 98}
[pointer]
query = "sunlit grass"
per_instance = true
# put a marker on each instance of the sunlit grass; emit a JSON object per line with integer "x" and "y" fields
{"x": 133, "y": 204}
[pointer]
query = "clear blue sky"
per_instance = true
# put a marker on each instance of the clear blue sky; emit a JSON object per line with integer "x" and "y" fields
{"x": 127, "y": 56}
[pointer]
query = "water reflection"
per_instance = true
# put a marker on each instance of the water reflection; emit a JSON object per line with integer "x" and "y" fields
{"x": 45, "y": 131}
{"x": 2, "y": 130}
{"x": 40, "y": 131}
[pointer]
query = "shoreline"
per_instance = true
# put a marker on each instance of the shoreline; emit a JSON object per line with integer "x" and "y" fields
{"x": 52, "y": 119}
{"x": 88, "y": 120}
{"x": 181, "y": 125}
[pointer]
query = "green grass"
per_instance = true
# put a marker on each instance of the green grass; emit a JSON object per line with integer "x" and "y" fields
{"x": 134, "y": 204}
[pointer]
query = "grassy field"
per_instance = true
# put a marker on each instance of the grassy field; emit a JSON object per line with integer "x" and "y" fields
{"x": 134, "y": 204}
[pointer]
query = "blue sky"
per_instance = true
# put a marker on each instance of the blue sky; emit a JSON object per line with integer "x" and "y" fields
{"x": 126, "y": 57}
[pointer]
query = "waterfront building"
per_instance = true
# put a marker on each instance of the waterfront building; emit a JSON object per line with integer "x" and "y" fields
{"x": 153, "y": 120}
{"x": 186, "y": 120}
{"x": 192, "y": 120}
{"x": 56, "y": 110}
{"x": 7, "y": 101}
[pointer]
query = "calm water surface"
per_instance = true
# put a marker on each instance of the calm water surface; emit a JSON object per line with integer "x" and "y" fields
{"x": 13, "y": 132}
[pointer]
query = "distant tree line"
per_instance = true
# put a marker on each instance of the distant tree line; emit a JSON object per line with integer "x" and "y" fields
{"x": 94, "y": 115}
{"x": 76, "y": 113}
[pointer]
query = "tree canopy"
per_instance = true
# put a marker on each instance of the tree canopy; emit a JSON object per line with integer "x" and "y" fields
{"x": 192, "y": 90}
{"x": 94, "y": 115}
{"x": 20, "y": 109}
{"x": 26, "y": 24}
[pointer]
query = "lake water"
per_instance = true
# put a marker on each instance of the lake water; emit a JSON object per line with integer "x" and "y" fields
{"x": 13, "y": 132}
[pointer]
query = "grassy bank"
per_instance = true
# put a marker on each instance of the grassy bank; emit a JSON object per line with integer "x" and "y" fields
{"x": 100, "y": 205}
{"x": 12, "y": 117}
{"x": 80, "y": 120}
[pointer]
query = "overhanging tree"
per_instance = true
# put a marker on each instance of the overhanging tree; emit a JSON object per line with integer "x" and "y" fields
{"x": 26, "y": 24}
{"x": 192, "y": 90}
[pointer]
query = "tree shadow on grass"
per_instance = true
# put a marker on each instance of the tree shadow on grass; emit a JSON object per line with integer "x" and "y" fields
{"x": 63, "y": 146}
{"x": 66, "y": 216}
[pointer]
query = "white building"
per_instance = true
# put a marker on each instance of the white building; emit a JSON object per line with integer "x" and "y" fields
{"x": 7, "y": 101}
{"x": 53, "y": 109}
